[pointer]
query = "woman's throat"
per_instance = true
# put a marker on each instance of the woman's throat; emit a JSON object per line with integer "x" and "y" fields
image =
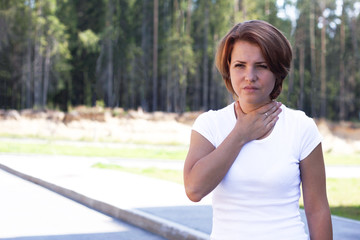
{"x": 249, "y": 107}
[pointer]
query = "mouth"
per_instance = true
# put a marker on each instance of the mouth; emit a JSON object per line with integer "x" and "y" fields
{"x": 250, "y": 88}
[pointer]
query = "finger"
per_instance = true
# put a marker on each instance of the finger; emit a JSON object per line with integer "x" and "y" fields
{"x": 238, "y": 110}
{"x": 267, "y": 107}
{"x": 272, "y": 122}
{"x": 274, "y": 110}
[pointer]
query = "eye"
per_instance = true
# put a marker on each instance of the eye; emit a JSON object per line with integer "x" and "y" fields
{"x": 239, "y": 65}
{"x": 263, "y": 66}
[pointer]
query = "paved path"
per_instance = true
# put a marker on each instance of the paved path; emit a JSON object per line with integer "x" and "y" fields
{"x": 29, "y": 211}
{"x": 157, "y": 206}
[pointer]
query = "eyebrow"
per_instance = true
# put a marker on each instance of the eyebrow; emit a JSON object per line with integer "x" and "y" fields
{"x": 239, "y": 61}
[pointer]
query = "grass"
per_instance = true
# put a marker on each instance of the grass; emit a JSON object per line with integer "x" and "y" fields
{"x": 156, "y": 152}
{"x": 343, "y": 193}
{"x": 341, "y": 159}
{"x": 153, "y": 152}
{"x": 84, "y": 139}
{"x": 164, "y": 174}
{"x": 344, "y": 197}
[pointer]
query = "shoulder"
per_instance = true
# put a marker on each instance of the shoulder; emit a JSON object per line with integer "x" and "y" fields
{"x": 296, "y": 118}
{"x": 303, "y": 129}
{"x": 213, "y": 124}
{"x": 294, "y": 113}
{"x": 299, "y": 123}
{"x": 214, "y": 115}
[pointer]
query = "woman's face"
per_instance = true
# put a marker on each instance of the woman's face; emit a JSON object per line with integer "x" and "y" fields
{"x": 250, "y": 75}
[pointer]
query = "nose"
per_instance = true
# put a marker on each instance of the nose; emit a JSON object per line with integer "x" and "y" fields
{"x": 250, "y": 74}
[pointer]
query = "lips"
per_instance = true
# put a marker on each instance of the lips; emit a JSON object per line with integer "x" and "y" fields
{"x": 250, "y": 88}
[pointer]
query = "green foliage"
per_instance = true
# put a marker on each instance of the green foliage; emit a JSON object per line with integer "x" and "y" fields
{"x": 103, "y": 50}
{"x": 100, "y": 103}
{"x": 89, "y": 40}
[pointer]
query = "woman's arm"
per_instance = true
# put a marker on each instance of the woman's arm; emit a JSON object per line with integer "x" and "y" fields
{"x": 314, "y": 193}
{"x": 205, "y": 166}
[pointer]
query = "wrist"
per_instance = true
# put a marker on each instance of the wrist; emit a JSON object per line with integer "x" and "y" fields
{"x": 237, "y": 139}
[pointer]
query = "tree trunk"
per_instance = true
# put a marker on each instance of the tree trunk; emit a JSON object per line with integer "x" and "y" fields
{"x": 109, "y": 55}
{"x": 291, "y": 79}
{"x": 46, "y": 76}
{"x": 354, "y": 66}
{"x": 302, "y": 74}
{"x": 155, "y": 55}
{"x": 214, "y": 86}
{"x": 267, "y": 8}
{"x": 342, "y": 110}
{"x": 175, "y": 97}
{"x": 313, "y": 60}
{"x": 145, "y": 41}
{"x": 323, "y": 63}
{"x": 242, "y": 5}
{"x": 206, "y": 58}
{"x": 197, "y": 84}
{"x": 28, "y": 76}
{"x": 169, "y": 84}
{"x": 185, "y": 69}
{"x": 132, "y": 89}
{"x": 38, "y": 59}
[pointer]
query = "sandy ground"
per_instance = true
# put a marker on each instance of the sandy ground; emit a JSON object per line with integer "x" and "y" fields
{"x": 136, "y": 127}
{"x": 145, "y": 128}
{"x": 339, "y": 138}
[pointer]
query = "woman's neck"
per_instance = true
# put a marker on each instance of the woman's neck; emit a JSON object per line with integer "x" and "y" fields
{"x": 249, "y": 107}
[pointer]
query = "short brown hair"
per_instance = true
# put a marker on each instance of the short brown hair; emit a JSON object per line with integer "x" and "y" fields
{"x": 274, "y": 47}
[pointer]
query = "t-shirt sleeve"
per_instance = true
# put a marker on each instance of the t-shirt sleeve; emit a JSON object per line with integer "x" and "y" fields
{"x": 310, "y": 138}
{"x": 203, "y": 126}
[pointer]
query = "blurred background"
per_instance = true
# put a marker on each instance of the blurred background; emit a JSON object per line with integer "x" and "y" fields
{"x": 125, "y": 79}
{"x": 159, "y": 54}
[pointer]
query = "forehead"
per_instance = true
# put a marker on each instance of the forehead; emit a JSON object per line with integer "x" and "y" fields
{"x": 246, "y": 51}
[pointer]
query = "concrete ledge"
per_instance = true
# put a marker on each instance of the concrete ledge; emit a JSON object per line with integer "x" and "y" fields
{"x": 151, "y": 223}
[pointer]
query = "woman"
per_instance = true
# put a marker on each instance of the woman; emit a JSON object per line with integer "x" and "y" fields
{"x": 253, "y": 154}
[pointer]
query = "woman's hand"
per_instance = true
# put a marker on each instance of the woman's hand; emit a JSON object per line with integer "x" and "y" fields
{"x": 256, "y": 124}
{"x": 205, "y": 166}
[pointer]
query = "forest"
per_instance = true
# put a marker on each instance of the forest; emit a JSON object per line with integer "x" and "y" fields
{"x": 159, "y": 54}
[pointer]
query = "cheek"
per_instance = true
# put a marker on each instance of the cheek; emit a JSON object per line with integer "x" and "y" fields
{"x": 232, "y": 79}
{"x": 272, "y": 84}
{"x": 236, "y": 84}
{"x": 270, "y": 81}
{"x": 235, "y": 77}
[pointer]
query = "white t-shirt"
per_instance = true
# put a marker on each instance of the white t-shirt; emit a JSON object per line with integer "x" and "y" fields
{"x": 259, "y": 196}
